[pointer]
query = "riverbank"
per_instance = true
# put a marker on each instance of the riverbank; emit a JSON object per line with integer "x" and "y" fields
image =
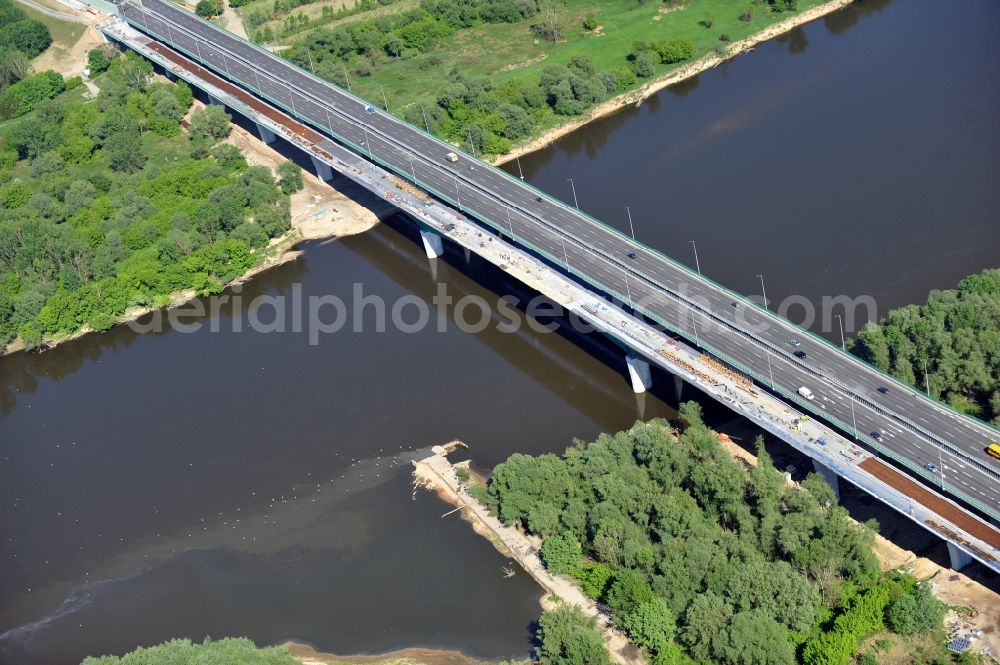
{"x": 974, "y": 610}
{"x": 318, "y": 211}
{"x": 438, "y": 474}
{"x": 307, "y": 655}
{"x": 636, "y": 96}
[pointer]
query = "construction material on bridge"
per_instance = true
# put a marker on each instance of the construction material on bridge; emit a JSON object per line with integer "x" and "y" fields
{"x": 820, "y": 442}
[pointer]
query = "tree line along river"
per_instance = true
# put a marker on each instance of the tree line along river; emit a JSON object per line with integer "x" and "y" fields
{"x": 163, "y": 485}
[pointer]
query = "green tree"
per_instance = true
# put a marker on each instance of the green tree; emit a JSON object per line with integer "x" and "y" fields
{"x": 28, "y": 36}
{"x": 211, "y": 122}
{"x": 675, "y": 50}
{"x": 98, "y": 61}
{"x": 754, "y": 638}
{"x": 916, "y": 612}
{"x": 290, "y": 175}
{"x": 561, "y": 553}
{"x": 207, "y": 8}
{"x": 651, "y": 625}
{"x": 567, "y": 637}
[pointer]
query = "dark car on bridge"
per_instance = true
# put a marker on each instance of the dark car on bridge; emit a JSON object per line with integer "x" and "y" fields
{"x": 799, "y": 354}
{"x": 877, "y": 435}
{"x": 883, "y": 390}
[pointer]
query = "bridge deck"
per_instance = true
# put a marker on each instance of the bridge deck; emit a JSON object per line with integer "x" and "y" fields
{"x": 712, "y": 377}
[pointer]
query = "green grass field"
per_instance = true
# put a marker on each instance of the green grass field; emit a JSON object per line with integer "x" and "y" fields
{"x": 64, "y": 33}
{"x": 505, "y": 51}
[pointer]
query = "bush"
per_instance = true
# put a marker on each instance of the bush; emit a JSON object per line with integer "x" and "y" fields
{"x": 561, "y": 554}
{"x": 916, "y": 612}
{"x": 206, "y": 8}
{"x": 21, "y": 98}
{"x": 30, "y": 37}
{"x": 590, "y": 22}
{"x": 97, "y": 61}
{"x": 643, "y": 65}
{"x": 675, "y": 50}
{"x": 291, "y": 177}
{"x": 567, "y": 637}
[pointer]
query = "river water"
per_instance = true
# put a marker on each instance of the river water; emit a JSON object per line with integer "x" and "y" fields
{"x": 240, "y": 483}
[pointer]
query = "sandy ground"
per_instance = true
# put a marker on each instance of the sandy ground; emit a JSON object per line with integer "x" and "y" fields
{"x": 438, "y": 474}
{"x": 231, "y": 21}
{"x": 68, "y": 61}
{"x": 637, "y": 96}
{"x": 951, "y": 587}
{"x": 309, "y": 656}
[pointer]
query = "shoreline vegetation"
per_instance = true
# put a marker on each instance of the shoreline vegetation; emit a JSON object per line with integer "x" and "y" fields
{"x": 948, "y": 347}
{"x": 861, "y": 609}
{"x": 129, "y": 196}
{"x": 689, "y": 71}
{"x": 357, "y": 219}
{"x": 890, "y": 612}
{"x": 502, "y": 78}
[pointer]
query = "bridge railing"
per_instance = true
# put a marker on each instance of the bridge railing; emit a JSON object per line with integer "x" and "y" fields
{"x": 500, "y": 227}
{"x": 697, "y": 276}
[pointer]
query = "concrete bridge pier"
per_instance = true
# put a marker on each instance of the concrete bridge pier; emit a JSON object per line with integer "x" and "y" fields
{"x": 678, "y": 387}
{"x": 215, "y": 101}
{"x": 433, "y": 243}
{"x": 829, "y": 475}
{"x": 266, "y": 135}
{"x": 323, "y": 170}
{"x": 959, "y": 557}
{"x": 638, "y": 373}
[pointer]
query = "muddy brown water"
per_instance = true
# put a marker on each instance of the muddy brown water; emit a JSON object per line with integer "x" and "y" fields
{"x": 163, "y": 485}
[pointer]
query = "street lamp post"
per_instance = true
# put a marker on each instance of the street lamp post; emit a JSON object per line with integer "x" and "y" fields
{"x": 458, "y": 195}
{"x": 630, "y": 227}
{"x": 927, "y": 378}
{"x": 843, "y": 346}
{"x": 368, "y": 143}
{"x": 697, "y": 265}
{"x": 346, "y": 78}
{"x": 770, "y": 373}
{"x": 763, "y": 290}
{"x": 291, "y": 98}
{"x": 471, "y": 144}
{"x": 573, "y": 186}
{"x": 312, "y": 66}
{"x": 413, "y": 172}
{"x": 510, "y": 223}
{"x": 385, "y": 100}
{"x": 565, "y": 255}
{"x": 423, "y": 112}
{"x": 518, "y": 160}
{"x": 941, "y": 466}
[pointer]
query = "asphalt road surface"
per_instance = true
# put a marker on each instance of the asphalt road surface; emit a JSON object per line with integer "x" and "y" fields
{"x": 910, "y": 426}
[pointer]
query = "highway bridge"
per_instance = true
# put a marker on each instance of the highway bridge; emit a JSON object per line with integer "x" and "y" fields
{"x": 899, "y": 423}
